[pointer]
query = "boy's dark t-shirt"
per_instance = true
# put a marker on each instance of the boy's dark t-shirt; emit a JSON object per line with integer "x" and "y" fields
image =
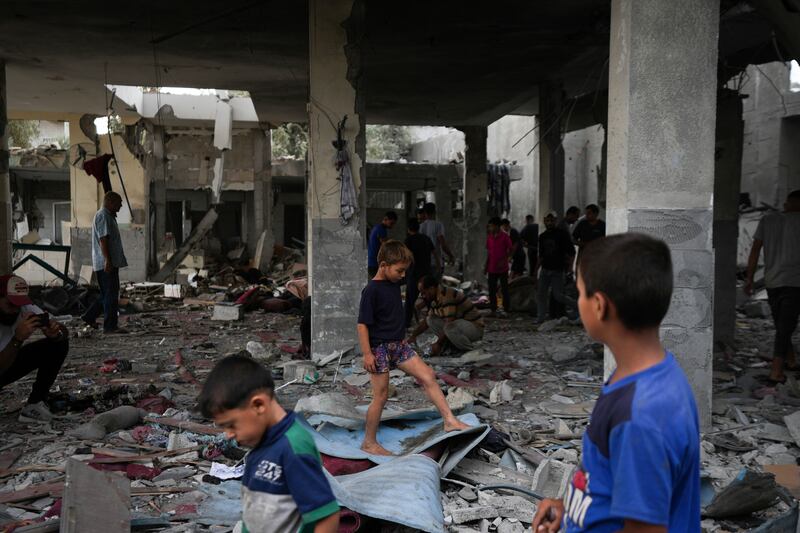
{"x": 585, "y": 232}
{"x": 284, "y": 474}
{"x": 641, "y": 456}
{"x": 381, "y": 310}
{"x": 422, "y": 249}
{"x": 555, "y": 247}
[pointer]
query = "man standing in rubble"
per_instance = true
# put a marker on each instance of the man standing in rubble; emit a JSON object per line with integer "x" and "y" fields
{"x": 435, "y": 232}
{"x": 107, "y": 258}
{"x": 779, "y": 235}
{"x": 19, "y": 320}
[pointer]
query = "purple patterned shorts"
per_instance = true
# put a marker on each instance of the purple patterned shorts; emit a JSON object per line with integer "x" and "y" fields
{"x": 390, "y": 354}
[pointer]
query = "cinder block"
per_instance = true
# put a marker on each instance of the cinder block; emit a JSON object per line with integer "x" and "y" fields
{"x": 228, "y": 312}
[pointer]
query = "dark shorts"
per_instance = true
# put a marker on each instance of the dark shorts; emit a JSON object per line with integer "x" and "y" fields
{"x": 390, "y": 354}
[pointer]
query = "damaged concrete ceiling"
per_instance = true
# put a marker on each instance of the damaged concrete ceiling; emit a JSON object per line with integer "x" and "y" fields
{"x": 424, "y": 62}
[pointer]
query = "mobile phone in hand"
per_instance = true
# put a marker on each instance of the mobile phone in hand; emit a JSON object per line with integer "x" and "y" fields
{"x": 44, "y": 319}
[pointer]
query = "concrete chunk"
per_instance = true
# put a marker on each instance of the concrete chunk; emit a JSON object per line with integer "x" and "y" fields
{"x": 462, "y": 515}
{"x": 228, "y": 312}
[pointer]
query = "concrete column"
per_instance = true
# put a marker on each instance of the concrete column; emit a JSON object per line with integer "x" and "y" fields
{"x": 336, "y": 250}
{"x": 6, "y": 229}
{"x": 475, "y": 208}
{"x": 156, "y": 170}
{"x": 551, "y": 153}
{"x": 727, "y": 185}
{"x": 661, "y": 115}
{"x": 262, "y": 198}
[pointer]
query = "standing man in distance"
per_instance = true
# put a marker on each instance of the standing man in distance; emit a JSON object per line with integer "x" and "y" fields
{"x": 107, "y": 258}
{"x": 435, "y": 232}
{"x": 590, "y": 228}
{"x": 530, "y": 238}
{"x": 779, "y": 235}
{"x": 379, "y": 235}
{"x": 570, "y": 218}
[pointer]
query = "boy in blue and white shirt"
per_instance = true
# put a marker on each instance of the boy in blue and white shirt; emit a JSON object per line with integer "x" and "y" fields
{"x": 640, "y": 470}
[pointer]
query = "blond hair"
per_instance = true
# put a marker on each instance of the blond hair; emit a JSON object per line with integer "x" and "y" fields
{"x": 393, "y": 252}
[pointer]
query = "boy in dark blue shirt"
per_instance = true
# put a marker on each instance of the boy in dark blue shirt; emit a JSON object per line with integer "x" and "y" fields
{"x": 284, "y": 487}
{"x": 381, "y": 334}
{"x": 640, "y": 469}
{"x": 379, "y": 235}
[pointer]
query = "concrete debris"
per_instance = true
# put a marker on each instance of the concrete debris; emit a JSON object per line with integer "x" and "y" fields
{"x": 757, "y": 309}
{"x": 535, "y": 388}
{"x": 228, "y": 312}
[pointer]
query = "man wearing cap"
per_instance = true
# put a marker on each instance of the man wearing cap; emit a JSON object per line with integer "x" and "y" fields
{"x": 19, "y": 319}
{"x": 556, "y": 255}
{"x": 107, "y": 258}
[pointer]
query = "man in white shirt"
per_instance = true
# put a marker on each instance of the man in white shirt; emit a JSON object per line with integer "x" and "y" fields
{"x": 435, "y": 232}
{"x": 19, "y": 319}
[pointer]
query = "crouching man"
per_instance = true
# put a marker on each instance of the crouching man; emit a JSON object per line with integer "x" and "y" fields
{"x": 19, "y": 319}
{"x": 451, "y": 316}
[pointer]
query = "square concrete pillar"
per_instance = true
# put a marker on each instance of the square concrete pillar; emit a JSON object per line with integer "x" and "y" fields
{"x": 661, "y": 119}
{"x": 336, "y": 249}
{"x": 156, "y": 174}
{"x": 551, "y": 153}
{"x": 475, "y": 208}
{"x": 5, "y": 180}
{"x": 727, "y": 186}
{"x": 262, "y": 198}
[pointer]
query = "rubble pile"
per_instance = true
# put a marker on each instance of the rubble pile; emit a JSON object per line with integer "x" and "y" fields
{"x": 528, "y": 393}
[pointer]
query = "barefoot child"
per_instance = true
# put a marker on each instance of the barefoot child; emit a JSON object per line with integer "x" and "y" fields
{"x": 640, "y": 470}
{"x": 284, "y": 487}
{"x": 381, "y": 333}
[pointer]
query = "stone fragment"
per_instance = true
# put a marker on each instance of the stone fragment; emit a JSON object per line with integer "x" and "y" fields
{"x": 501, "y": 393}
{"x": 508, "y": 526}
{"x": 227, "y": 312}
{"x": 462, "y": 515}
{"x": 757, "y": 309}
{"x": 793, "y": 425}
{"x": 468, "y": 494}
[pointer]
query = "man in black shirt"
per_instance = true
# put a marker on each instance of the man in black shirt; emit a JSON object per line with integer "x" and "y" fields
{"x": 590, "y": 228}
{"x": 556, "y": 254}
{"x": 517, "y": 253}
{"x": 530, "y": 237}
{"x": 422, "y": 249}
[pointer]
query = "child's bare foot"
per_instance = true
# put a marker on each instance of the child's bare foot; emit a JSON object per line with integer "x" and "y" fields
{"x": 455, "y": 425}
{"x": 375, "y": 449}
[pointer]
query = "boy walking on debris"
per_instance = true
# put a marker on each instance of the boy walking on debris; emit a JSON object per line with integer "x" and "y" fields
{"x": 498, "y": 253}
{"x": 381, "y": 333}
{"x": 640, "y": 469}
{"x": 284, "y": 487}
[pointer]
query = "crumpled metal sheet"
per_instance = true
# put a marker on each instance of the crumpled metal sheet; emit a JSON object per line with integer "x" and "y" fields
{"x": 404, "y": 491}
{"x": 401, "y": 437}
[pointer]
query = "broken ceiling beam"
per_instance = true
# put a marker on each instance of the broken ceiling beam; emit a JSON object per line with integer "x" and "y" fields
{"x": 180, "y": 254}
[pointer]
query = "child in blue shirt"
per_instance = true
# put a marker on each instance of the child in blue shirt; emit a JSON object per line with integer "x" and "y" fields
{"x": 381, "y": 334}
{"x": 284, "y": 487}
{"x": 640, "y": 467}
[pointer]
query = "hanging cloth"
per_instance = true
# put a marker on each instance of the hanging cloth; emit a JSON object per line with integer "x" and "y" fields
{"x": 348, "y": 199}
{"x": 98, "y": 168}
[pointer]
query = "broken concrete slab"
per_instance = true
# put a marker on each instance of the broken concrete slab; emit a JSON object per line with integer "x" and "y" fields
{"x": 109, "y": 496}
{"x": 793, "y": 425}
{"x": 228, "y": 312}
{"x": 552, "y": 478}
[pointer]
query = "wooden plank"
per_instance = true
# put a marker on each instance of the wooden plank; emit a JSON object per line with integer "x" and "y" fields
{"x": 34, "y": 492}
{"x": 194, "y": 427}
{"x": 9, "y": 458}
{"x": 94, "y": 501}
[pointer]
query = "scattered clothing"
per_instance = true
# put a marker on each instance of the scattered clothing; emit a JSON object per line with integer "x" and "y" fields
{"x": 388, "y": 355}
{"x": 381, "y": 310}
{"x": 586, "y": 232}
{"x": 284, "y": 487}
{"x": 463, "y": 334}
{"x": 378, "y": 234}
{"x": 98, "y": 169}
{"x": 641, "y": 456}
{"x": 499, "y": 188}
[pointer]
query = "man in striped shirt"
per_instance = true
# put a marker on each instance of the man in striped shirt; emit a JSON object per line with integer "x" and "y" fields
{"x": 451, "y": 316}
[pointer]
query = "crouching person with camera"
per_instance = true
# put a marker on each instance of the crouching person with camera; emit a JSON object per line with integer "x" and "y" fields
{"x": 19, "y": 319}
